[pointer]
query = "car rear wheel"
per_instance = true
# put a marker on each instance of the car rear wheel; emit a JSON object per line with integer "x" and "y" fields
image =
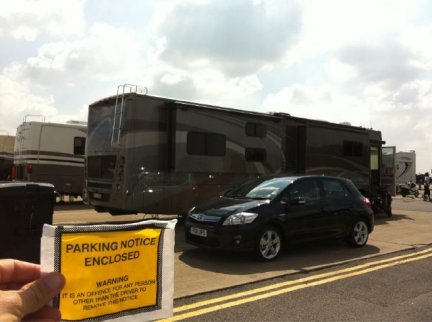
{"x": 359, "y": 234}
{"x": 269, "y": 244}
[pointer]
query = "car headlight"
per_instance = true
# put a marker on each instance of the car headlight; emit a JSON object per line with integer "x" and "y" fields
{"x": 240, "y": 219}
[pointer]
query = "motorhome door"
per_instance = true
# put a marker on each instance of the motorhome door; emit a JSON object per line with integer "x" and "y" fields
{"x": 388, "y": 165}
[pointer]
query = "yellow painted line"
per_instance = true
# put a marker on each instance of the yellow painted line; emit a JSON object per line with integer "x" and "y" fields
{"x": 287, "y": 283}
{"x": 303, "y": 284}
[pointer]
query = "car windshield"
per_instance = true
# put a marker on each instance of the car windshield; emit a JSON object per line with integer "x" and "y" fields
{"x": 260, "y": 189}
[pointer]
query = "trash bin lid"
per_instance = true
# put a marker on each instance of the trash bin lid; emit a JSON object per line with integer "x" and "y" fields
{"x": 14, "y": 188}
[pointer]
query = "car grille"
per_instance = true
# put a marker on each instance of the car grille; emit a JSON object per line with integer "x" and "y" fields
{"x": 205, "y": 219}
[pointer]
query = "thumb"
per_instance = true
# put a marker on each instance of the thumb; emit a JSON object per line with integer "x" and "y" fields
{"x": 37, "y": 294}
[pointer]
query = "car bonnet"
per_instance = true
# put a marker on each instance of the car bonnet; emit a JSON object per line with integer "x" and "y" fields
{"x": 228, "y": 206}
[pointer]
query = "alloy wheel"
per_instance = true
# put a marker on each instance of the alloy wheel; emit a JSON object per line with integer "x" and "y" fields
{"x": 360, "y": 233}
{"x": 269, "y": 244}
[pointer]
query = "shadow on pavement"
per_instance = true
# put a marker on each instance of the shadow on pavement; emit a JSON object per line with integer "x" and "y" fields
{"x": 299, "y": 258}
{"x": 384, "y": 220}
{"x": 71, "y": 206}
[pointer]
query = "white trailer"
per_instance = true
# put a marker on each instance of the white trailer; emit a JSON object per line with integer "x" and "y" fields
{"x": 405, "y": 167}
{"x": 6, "y": 156}
{"x": 52, "y": 153}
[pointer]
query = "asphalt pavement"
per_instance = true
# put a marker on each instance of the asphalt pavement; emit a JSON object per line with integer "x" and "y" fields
{"x": 393, "y": 287}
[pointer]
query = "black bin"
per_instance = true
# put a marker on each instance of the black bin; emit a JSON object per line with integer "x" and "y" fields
{"x": 24, "y": 208}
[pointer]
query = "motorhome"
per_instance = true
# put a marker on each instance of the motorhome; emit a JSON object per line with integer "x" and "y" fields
{"x": 6, "y": 156}
{"x": 162, "y": 156}
{"x": 52, "y": 153}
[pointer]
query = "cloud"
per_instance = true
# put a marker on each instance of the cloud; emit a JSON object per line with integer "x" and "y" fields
{"x": 339, "y": 71}
{"x": 320, "y": 103}
{"x": 175, "y": 84}
{"x": 111, "y": 55}
{"x": 235, "y": 37}
{"x": 77, "y": 72}
{"x": 18, "y": 101}
{"x": 388, "y": 63}
{"x": 417, "y": 94}
{"x": 208, "y": 86}
{"x": 106, "y": 55}
{"x": 28, "y": 19}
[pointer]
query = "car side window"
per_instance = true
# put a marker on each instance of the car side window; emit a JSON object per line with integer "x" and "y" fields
{"x": 334, "y": 189}
{"x": 306, "y": 189}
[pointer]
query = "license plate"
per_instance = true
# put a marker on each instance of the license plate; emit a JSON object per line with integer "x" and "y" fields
{"x": 97, "y": 195}
{"x": 198, "y": 232}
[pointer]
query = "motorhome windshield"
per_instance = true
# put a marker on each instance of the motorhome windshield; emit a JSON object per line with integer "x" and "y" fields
{"x": 101, "y": 167}
{"x": 100, "y": 127}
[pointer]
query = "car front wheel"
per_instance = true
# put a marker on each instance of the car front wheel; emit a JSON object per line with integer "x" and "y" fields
{"x": 269, "y": 244}
{"x": 359, "y": 234}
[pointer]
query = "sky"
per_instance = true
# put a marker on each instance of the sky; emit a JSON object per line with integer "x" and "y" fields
{"x": 366, "y": 62}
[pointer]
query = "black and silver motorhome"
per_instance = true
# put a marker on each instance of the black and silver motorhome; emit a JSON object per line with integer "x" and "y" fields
{"x": 162, "y": 156}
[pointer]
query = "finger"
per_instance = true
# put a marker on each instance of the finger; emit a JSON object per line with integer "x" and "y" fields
{"x": 45, "y": 314}
{"x": 15, "y": 271}
{"x": 37, "y": 294}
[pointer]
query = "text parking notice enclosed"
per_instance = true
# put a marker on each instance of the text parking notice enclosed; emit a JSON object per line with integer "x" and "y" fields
{"x": 113, "y": 272}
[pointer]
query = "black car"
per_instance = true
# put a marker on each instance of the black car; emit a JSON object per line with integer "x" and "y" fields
{"x": 264, "y": 214}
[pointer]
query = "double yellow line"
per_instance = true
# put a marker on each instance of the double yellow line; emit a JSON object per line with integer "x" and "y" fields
{"x": 224, "y": 302}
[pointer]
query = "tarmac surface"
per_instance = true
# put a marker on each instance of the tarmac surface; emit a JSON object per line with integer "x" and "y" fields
{"x": 199, "y": 271}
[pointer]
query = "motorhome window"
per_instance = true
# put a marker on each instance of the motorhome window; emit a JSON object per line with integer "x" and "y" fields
{"x": 255, "y": 154}
{"x": 101, "y": 166}
{"x": 352, "y": 148}
{"x": 79, "y": 145}
{"x": 210, "y": 144}
{"x": 256, "y": 129}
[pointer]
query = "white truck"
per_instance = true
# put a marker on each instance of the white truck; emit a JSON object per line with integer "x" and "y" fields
{"x": 6, "y": 156}
{"x": 51, "y": 153}
{"x": 405, "y": 167}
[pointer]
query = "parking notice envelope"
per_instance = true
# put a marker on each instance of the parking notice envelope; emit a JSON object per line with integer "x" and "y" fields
{"x": 113, "y": 272}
